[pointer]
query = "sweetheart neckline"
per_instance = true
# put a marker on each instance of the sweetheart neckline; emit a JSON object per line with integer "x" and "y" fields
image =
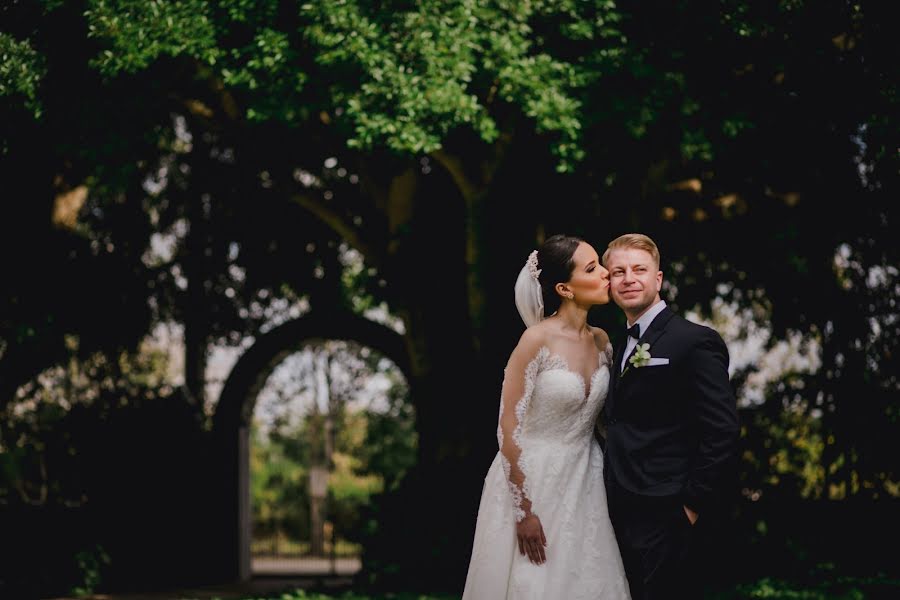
{"x": 585, "y": 390}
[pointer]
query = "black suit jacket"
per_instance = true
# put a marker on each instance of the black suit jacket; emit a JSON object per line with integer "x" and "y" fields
{"x": 673, "y": 429}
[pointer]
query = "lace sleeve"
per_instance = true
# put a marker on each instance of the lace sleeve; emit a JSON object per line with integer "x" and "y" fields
{"x": 518, "y": 385}
{"x": 606, "y": 358}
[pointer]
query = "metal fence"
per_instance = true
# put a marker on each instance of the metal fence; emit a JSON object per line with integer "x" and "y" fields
{"x": 323, "y": 551}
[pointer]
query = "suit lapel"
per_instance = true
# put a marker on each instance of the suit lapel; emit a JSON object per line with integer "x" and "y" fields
{"x": 656, "y": 329}
{"x": 617, "y": 357}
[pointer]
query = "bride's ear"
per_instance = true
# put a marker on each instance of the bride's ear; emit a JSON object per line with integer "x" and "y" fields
{"x": 563, "y": 290}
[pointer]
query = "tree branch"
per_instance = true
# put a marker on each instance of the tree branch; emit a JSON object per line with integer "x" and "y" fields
{"x": 341, "y": 226}
{"x": 217, "y": 87}
{"x": 399, "y": 210}
{"x": 454, "y": 166}
{"x": 498, "y": 153}
{"x": 474, "y": 195}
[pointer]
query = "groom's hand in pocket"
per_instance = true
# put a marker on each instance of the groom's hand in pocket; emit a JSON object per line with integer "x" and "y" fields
{"x": 532, "y": 539}
{"x": 691, "y": 515}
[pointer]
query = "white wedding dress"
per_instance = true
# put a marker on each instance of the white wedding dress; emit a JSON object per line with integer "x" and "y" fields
{"x": 548, "y": 456}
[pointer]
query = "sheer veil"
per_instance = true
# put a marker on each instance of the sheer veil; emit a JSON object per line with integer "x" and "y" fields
{"x": 529, "y": 299}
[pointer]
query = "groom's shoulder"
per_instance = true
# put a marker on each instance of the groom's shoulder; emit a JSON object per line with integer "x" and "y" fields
{"x": 692, "y": 329}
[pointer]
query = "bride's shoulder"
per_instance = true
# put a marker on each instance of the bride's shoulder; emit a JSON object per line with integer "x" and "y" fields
{"x": 532, "y": 340}
{"x": 534, "y": 337}
{"x": 601, "y": 339}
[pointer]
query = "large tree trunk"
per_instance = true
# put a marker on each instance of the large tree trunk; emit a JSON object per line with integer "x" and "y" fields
{"x": 458, "y": 341}
{"x": 196, "y": 308}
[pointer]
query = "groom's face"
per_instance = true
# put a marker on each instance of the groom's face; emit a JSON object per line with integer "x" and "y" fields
{"x": 634, "y": 280}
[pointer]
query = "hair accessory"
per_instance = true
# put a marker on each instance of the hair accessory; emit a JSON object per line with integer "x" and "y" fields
{"x": 532, "y": 265}
{"x": 529, "y": 298}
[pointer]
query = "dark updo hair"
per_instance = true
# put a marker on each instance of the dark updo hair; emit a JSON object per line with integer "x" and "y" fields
{"x": 556, "y": 265}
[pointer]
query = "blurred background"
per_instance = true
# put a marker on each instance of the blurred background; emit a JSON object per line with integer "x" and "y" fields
{"x": 258, "y": 261}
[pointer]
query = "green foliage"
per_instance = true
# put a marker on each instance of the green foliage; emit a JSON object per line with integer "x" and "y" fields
{"x": 266, "y": 65}
{"x": 21, "y": 72}
{"x": 90, "y": 565}
{"x": 136, "y": 33}
{"x": 403, "y": 77}
{"x": 311, "y": 595}
{"x": 278, "y": 485}
{"x": 828, "y": 587}
{"x": 391, "y": 439}
{"x": 738, "y": 103}
{"x": 251, "y": 12}
{"x": 40, "y": 443}
{"x": 788, "y": 452}
{"x": 372, "y": 451}
{"x": 428, "y": 69}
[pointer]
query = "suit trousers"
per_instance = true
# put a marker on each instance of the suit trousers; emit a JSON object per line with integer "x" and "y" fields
{"x": 659, "y": 545}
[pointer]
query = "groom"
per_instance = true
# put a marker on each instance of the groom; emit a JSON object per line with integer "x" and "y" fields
{"x": 671, "y": 430}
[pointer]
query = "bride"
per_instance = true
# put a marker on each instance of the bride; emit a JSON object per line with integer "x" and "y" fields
{"x": 543, "y": 530}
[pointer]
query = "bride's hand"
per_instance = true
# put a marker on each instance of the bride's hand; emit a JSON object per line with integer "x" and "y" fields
{"x": 532, "y": 539}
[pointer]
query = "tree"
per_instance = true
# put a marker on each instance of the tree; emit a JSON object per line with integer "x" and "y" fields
{"x": 439, "y": 131}
{"x": 343, "y": 410}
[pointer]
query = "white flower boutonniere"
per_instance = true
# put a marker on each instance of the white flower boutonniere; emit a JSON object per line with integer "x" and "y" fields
{"x": 640, "y": 358}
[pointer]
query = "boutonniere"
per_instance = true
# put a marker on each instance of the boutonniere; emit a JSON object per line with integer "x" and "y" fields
{"x": 640, "y": 358}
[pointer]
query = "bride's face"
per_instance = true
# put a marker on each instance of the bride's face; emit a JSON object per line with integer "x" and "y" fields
{"x": 590, "y": 280}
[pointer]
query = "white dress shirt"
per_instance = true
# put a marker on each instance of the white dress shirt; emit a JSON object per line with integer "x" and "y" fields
{"x": 644, "y": 323}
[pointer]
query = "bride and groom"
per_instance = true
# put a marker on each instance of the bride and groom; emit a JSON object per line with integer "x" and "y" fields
{"x": 561, "y": 518}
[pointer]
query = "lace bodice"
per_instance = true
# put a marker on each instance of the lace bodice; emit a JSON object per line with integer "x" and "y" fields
{"x": 548, "y": 402}
{"x": 564, "y": 407}
{"x": 551, "y": 467}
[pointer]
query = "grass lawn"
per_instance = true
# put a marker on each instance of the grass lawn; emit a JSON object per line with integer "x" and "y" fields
{"x": 836, "y": 588}
{"x": 287, "y": 547}
{"x": 827, "y": 588}
{"x": 306, "y": 595}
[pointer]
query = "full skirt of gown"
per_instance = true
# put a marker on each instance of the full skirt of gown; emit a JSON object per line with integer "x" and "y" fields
{"x": 569, "y": 497}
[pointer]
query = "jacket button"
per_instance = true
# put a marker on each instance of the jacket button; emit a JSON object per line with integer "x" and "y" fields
{"x": 613, "y": 421}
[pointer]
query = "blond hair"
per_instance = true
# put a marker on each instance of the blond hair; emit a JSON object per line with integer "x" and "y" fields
{"x": 633, "y": 240}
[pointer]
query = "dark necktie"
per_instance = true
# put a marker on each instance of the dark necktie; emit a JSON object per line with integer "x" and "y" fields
{"x": 634, "y": 331}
